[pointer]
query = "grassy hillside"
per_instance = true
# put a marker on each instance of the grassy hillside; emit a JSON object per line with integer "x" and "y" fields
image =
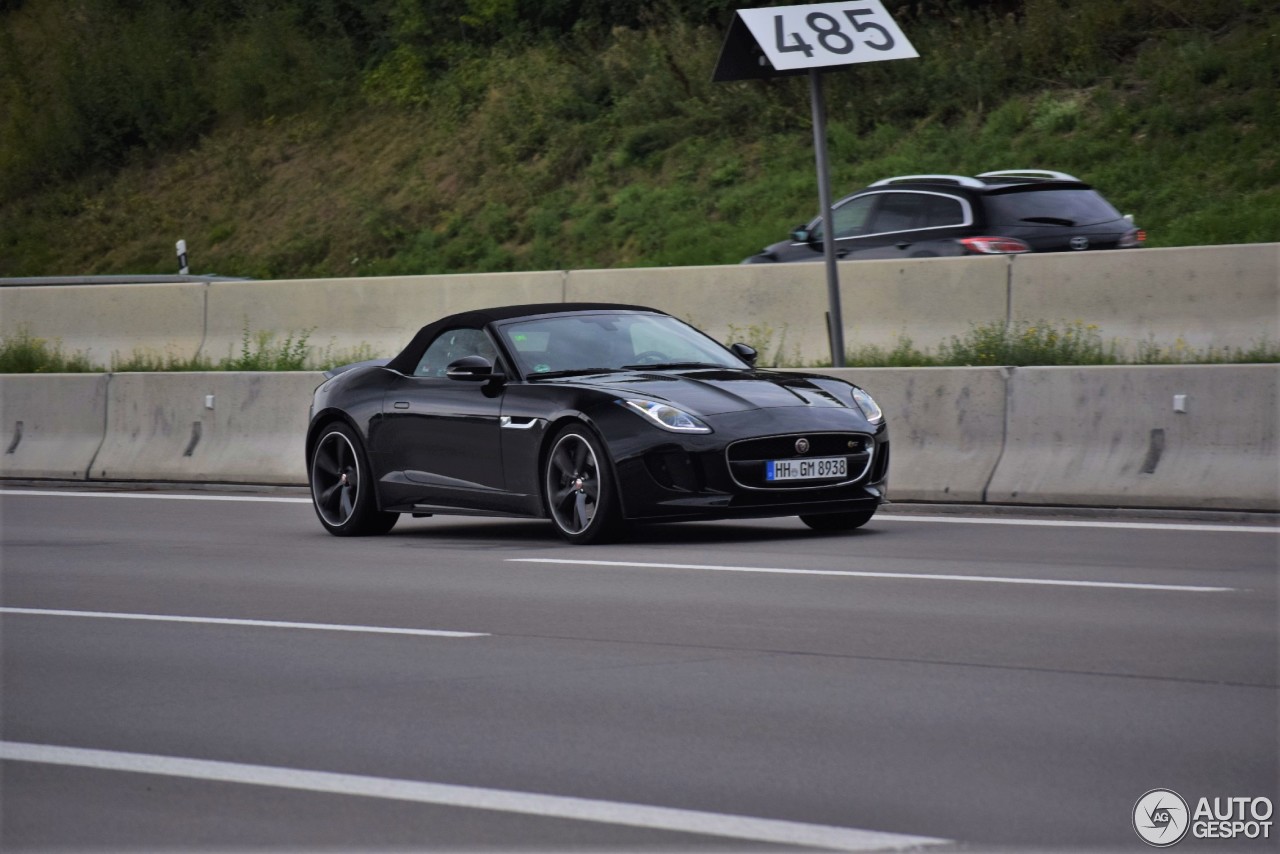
{"x": 330, "y": 138}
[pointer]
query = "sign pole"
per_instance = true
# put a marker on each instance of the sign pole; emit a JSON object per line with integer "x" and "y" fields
{"x": 792, "y": 40}
{"x": 836, "y": 317}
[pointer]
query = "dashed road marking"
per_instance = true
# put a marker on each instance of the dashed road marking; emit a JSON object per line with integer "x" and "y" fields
{"x": 500, "y": 800}
{"x": 897, "y": 576}
{"x": 226, "y": 621}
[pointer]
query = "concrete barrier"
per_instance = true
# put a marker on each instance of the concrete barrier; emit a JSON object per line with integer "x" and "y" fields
{"x": 51, "y": 425}
{"x": 1096, "y": 436}
{"x": 1206, "y": 296}
{"x": 928, "y": 300}
{"x": 342, "y": 315}
{"x": 162, "y": 427}
{"x": 780, "y": 307}
{"x": 1111, "y": 436}
{"x": 106, "y": 321}
{"x": 946, "y": 428}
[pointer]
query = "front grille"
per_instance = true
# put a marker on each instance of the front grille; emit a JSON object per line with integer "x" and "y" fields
{"x": 747, "y": 459}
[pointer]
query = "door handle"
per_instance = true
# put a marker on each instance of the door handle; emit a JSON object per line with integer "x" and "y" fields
{"x": 401, "y": 404}
{"x": 902, "y": 245}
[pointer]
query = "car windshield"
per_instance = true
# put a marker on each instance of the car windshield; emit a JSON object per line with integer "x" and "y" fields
{"x": 1049, "y": 207}
{"x": 597, "y": 343}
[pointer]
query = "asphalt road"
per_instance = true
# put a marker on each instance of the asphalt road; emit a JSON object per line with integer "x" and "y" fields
{"x": 976, "y": 684}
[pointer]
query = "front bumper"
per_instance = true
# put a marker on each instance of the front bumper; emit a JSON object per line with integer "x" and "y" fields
{"x": 678, "y": 477}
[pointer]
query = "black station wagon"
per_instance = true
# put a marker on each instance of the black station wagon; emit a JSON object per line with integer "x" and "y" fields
{"x": 996, "y": 213}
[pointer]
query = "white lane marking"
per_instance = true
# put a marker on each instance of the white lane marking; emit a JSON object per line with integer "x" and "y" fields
{"x": 225, "y": 621}
{"x": 902, "y": 576}
{"x": 1081, "y": 523}
{"x": 880, "y": 517}
{"x": 58, "y": 493}
{"x": 500, "y": 800}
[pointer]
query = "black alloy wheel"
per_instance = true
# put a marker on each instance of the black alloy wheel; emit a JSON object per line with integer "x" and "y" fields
{"x": 581, "y": 498}
{"x": 838, "y": 521}
{"x": 340, "y": 489}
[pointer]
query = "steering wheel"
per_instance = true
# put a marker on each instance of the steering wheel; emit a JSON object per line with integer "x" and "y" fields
{"x": 651, "y": 357}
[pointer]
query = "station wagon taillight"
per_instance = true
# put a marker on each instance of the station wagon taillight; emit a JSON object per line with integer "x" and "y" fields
{"x": 994, "y": 245}
{"x": 1132, "y": 239}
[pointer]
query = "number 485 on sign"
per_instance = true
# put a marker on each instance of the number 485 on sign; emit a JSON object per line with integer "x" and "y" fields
{"x": 827, "y": 34}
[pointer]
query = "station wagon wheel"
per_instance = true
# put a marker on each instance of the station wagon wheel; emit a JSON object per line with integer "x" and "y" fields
{"x": 341, "y": 491}
{"x": 838, "y": 521}
{"x": 581, "y": 498}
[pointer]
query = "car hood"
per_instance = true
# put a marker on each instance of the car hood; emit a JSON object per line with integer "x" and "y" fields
{"x": 715, "y": 391}
{"x": 773, "y": 251}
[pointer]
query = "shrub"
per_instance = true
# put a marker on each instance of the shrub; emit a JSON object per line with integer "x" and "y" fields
{"x": 23, "y": 353}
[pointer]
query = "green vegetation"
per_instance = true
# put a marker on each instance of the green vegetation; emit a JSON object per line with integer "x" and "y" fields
{"x": 299, "y": 138}
{"x": 23, "y": 353}
{"x": 258, "y": 352}
{"x": 1023, "y": 344}
{"x": 996, "y": 343}
{"x": 1018, "y": 344}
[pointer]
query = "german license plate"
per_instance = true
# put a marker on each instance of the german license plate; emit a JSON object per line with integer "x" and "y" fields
{"x": 816, "y": 468}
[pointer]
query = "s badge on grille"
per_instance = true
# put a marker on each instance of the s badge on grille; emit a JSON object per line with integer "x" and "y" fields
{"x": 1079, "y": 243}
{"x": 802, "y": 446}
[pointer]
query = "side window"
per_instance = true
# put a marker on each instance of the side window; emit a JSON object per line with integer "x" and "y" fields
{"x": 942, "y": 211}
{"x": 851, "y": 217}
{"x": 899, "y": 212}
{"x": 451, "y": 346}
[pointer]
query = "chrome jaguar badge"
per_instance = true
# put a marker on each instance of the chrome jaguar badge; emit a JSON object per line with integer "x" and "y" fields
{"x": 802, "y": 446}
{"x": 1079, "y": 243}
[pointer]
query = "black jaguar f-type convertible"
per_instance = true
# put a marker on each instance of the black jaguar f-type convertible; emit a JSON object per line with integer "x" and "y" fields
{"x": 591, "y": 415}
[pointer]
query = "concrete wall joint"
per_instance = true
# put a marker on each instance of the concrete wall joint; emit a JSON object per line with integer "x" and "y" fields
{"x": 1006, "y": 373}
{"x": 106, "y": 424}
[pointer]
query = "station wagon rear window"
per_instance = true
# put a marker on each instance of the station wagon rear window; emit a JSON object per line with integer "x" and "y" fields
{"x": 1049, "y": 207}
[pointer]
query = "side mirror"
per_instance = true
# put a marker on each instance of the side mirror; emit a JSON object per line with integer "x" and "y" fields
{"x": 745, "y": 352}
{"x": 472, "y": 369}
{"x": 801, "y": 234}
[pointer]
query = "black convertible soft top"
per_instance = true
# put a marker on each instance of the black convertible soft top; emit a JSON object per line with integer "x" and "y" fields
{"x": 408, "y": 358}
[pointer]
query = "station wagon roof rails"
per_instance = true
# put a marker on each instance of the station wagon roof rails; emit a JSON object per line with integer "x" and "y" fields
{"x": 961, "y": 180}
{"x": 1030, "y": 174}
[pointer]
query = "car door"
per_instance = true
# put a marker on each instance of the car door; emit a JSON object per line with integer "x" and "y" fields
{"x": 908, "y": 224}
{"x": 922, "y": 224}
{"x": 871, "y": 225}
{"x": 888, "y": 232}
{"x": 439, "y": 441}
{"x": 851, "y": 217}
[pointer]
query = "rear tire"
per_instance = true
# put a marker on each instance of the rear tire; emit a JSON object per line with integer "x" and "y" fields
{"x": 838, "y": 521}
{"x": 342, "y": 486}
{"x": 582, "y": 499}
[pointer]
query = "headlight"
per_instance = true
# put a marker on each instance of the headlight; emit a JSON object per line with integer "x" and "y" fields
{"x": 667, "y": 417}
{"x": 868, "y": 406}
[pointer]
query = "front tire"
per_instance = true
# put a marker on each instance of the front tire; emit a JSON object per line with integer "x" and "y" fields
{"x": 342, "y": 486}
{"x": 582, "y": 499}
{"x": 838, "y": 521}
